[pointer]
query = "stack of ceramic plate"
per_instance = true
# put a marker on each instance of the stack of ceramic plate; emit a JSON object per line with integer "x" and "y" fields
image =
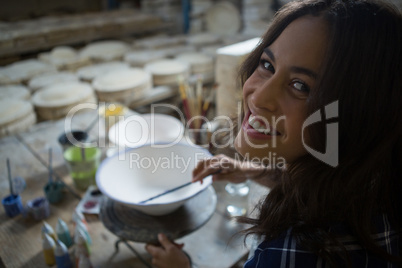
{"x": 171, "y": 52}
{"x": 200, "y": 40}
{"x": 159, "y": 41}
{"x": 197, "y": 16}
{"x": 45, "y": 80}
{"x": 19, "y": 92}
{"x": 169, "y": 10}
{"x": 55, "y": 101}
{"x": 125, "y": 85}
{"x": 139, "y": 58}
{"x": 223, "y": 18}
{"x": 200, "y": 63}
{"x": 166, "y": 72}
{"x": 210, "y": 50}
{"x": 15, "y": 116}
{"x": 22, "y": 71}
{"x": 64, "y": 58}
{"x": 103, "y": 51}
{"x": 88, "y": 73}
{"x": 257, "y": 15}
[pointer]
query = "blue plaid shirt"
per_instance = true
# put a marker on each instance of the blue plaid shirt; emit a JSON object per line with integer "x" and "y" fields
{"x": 285, "y": 252}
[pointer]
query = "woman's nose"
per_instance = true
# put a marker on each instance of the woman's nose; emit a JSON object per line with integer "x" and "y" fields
{"x": 267, "y": 94}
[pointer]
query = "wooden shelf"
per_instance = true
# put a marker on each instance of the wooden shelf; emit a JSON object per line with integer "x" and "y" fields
{"x": 40, "y": 34}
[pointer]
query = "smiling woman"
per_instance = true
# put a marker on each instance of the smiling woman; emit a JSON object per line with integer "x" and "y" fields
{"x": 275, "y": 94}
{"x": 324, "y": 80}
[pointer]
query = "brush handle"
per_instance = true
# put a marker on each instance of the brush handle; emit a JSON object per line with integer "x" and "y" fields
{"x": 50, "y": 166}
{"x": 166, "y": 192}
{"x": 83, "y": 157}
{"x": 10, "y": 180}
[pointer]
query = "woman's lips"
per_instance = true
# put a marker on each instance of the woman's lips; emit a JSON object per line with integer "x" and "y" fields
{"x": 251, "y": 132}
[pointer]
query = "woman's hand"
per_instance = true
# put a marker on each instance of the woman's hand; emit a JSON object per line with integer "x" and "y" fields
{"x": 224, "y": 168}
{"x": 169, "y": 255}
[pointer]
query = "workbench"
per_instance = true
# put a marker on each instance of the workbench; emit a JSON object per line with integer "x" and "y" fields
{"x": 213, "y": 245}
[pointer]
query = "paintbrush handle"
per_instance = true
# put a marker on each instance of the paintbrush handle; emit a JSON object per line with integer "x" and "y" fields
{"x": 10, "y": 180}
{"x": 50, "y": 166}
{"x": 166, "y": 192}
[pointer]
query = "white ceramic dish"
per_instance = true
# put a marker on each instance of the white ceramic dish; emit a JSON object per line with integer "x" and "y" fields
{"x": 106, "y": 50}
{"x": 62, "y": 94}
{"x": 223, "y": 18}
{"x": 147, "y": 171}
{"x": 137, "y": 130}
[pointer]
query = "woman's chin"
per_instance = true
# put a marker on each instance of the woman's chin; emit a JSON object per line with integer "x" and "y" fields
{"x": 238, "y": 142}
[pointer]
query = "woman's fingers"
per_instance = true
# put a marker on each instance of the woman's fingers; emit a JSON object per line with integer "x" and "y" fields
{"x": 209, "y": 170}
{"x": 210, "y": 166}
{"x": 154, "y": 250}
{"x": 165, "y": 242}
{"x": 168, "y": 254}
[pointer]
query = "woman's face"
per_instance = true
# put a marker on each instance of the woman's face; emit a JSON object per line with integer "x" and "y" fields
{"x": 275, "y": 95}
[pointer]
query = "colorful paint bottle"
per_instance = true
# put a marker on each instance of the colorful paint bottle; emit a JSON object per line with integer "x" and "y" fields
{"x": 48, "y": 250}
{"x": 84, "y": 262}
{"x": 38, "y": 208}
{"x": 79, "y": 217}
{"x": 63, "y": 233}
{"x": 84, "y": 229}
{"x": 12, "y": 205}
{"x": 62, "y": 257}
{"x": 47, "y": 229}
{"x": 81, "y": 246}
{"x": 81, "y": 243}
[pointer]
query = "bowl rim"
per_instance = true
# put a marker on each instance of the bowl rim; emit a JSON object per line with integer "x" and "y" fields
{"x": 146, "y": 116}
{"x": 105, "y": 161}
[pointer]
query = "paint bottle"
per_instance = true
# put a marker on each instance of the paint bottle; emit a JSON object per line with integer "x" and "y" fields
{"x": 84, "y": 262}
{"x": 38, "y": 208}
{"x": 62, "y": 257}
{"x": 84, "y": 229}
{"x": 79, "y": 217}
{"x": 63, "y": 233}
{"x": 81, "y": 244}
{"x": 48, "y": 245}
{"x": 47, "y": 229}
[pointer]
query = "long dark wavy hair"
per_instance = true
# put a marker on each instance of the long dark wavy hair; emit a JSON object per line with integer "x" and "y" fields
{"x": 363, "y": 72}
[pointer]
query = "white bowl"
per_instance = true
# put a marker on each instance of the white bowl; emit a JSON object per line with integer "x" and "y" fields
{"x": 137, "y": 130}
{"x": 147, "y": 171}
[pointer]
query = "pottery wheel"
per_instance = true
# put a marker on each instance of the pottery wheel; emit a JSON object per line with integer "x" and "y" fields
{"x": 130, "y": 224}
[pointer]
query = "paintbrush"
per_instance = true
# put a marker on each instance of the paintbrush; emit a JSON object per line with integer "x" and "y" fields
{"x": 83, "y": 158}
{"x": 10, "y": 181}
{"x": 166, "y": 192}
{"x": 184, "y": 99}
{"x": 50, "y": 166}
{"x": 175, "y": 189}
{"x": 207, "y": 103}
{"x": 198, "y": 101}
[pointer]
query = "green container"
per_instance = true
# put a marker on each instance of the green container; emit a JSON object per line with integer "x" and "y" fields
{"x": 83, "y": 163}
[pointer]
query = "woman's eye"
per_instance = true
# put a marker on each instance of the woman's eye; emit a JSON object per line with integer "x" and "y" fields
{"x": 299, "y": 86}
{"x": 267, "y": 65}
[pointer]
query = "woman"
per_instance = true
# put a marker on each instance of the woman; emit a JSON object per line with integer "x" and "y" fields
{"x": 323, "y": 90}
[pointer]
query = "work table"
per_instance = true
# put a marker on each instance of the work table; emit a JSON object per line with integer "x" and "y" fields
{"x": 213, "y": 245}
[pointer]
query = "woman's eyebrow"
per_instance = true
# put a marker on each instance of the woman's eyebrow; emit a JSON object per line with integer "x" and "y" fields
{"x": 305, "y": 71}
{"x": 269, "y": 53}
{"x": 294, "y": 69}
